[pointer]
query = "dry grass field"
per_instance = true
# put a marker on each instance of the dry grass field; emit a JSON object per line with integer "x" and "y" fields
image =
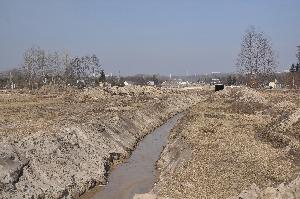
{"x": 232, "y": 140}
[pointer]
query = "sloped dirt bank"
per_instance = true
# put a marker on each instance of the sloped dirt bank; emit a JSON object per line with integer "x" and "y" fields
{"x": 138, "y": 173}
{"x": 59, "y": 144}
{"x": 238, "y": 139}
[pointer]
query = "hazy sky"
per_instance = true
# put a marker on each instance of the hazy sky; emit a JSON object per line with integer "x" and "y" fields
{"x": 153, "y": 36}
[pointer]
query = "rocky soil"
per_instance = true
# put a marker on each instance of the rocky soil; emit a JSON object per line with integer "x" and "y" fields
{"x": 234, "y": 140}
{"x": 58, "y": 143}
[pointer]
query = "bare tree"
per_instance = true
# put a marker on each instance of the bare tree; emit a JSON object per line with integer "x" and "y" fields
{"x": 69, "y": 75}
{"x": 257, "y": 58}
{"x": 95, "y": 65}
{"x": 76, "y": 67}
{"x": 28, "y": 65}
{"x": 86, "y": 66}
{"x": 34, "y": 64}
{"x": 54, "y": 66}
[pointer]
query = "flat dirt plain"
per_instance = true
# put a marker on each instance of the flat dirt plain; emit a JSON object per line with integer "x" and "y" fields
{"x": 238, "y": 143}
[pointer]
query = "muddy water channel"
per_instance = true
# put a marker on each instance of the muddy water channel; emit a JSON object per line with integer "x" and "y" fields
{"x": 138, "y": 173}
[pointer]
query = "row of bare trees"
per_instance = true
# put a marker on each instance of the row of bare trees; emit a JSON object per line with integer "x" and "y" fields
{"x": 40, "y": 67}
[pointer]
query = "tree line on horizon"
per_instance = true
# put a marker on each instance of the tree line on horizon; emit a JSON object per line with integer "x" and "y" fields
{"x": 256, "y": 65}
{"x": 43, "y": 68}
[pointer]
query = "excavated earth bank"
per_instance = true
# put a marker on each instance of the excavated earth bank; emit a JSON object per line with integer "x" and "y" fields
{"x": 237, "y": 139}
{"x": 59, "y": 143}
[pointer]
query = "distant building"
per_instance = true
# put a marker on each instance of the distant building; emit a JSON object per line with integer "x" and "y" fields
{"x": 183, "y": 83}
{"x": 275, "y": 84}
{"x": 150, "y": 83}
{"x": 215, "y": 81}
{"x": 128, "y": 83}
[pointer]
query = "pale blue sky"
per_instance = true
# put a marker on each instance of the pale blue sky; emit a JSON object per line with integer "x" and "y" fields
{"x": 154, "y": 36}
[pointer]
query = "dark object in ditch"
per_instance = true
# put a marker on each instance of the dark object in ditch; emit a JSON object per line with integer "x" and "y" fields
{"x": 219, "y": 87}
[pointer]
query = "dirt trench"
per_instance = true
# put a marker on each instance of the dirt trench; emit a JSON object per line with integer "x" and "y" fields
{"x": 238, "y": 143}
{"x": 60, "y": 144}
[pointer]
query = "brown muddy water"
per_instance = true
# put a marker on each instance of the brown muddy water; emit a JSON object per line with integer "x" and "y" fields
{"x": 137, "y": 174}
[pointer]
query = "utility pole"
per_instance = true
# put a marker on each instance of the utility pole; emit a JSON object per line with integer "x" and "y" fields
{"x": 298, "y": 54}
{"x": 297, "y": 66}
{"x": 293, "y": 80}
{"x": 119, "y": 76}
{"x": 10, "y": 80}
{"x": 11, "y": 83}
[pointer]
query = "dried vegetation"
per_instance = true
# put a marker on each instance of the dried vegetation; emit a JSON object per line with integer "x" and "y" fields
{"x": 234, "y": 140}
